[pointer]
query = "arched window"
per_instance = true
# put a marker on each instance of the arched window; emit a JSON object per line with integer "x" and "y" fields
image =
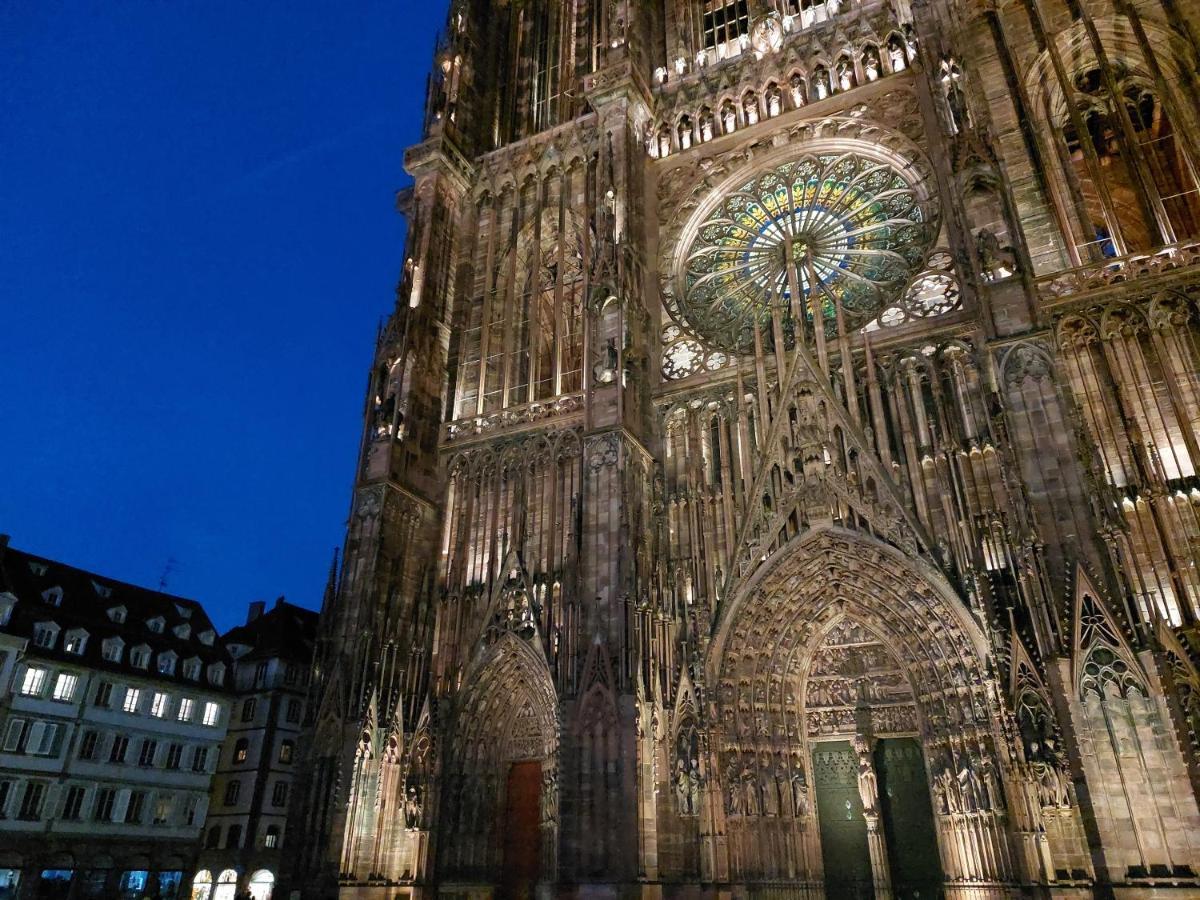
{"x": 261, "y": 883}
{"x": 706, "y": 125}
{"x": 240, "y": 751}
{"x": 844, "y": 70}
{"x": 820, "y": 83}
{"x": 202, "y": 885}
{"x": 213, "y": 839}
{"x": 896, "y": 53}
{"x": 1131, "y": 182}
{"x": 226, "y": 885}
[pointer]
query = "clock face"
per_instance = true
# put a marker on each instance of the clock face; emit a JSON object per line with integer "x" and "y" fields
{"x": 768, "y": 35}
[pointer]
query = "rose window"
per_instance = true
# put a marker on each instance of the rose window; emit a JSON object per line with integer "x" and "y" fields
{"x": 835, "y": 230}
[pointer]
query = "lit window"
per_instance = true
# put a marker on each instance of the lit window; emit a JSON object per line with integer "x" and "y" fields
{"x": 187, "y": 708}
{"x": 75, "y": 642}
{"x": 133, "y": 696}
{"x": 241, "y": 750}
{"x": 212, "y": 712}
{"x": 271, "y": 838}
{"x": 64, "y": 687}
{"x": 286, "y": 751}
{"x": 33, "y": 682}
{"x": 158, "y": 706}
{"x": 162, "y": 809}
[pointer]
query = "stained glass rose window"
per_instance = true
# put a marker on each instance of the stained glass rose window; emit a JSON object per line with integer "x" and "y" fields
{"x": 849, "y": 228}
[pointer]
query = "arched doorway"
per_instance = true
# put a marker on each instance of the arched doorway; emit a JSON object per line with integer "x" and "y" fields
{"x": 857, "y": 750}
{"x": 501, "y": 795}
{"x": 262, "y": 883}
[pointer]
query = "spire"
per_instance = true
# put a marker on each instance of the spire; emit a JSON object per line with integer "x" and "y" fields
{"x": 331, "y": 584}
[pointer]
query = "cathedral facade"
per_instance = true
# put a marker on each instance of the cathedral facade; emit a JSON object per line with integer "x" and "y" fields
{"x": 779, "y": 473}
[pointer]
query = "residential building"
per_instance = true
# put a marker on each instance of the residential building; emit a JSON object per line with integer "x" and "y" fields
{"x": 114, "y": 702}
{"x": 245, "y": 835}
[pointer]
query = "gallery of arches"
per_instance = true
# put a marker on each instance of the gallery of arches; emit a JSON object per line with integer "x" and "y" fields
{"x": 779, "y": 470}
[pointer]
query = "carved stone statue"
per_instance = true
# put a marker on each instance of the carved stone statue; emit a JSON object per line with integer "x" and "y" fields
{"x": 868, "y": 783}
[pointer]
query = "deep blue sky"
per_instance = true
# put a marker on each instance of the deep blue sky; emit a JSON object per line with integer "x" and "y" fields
{"x": 197, "y": 241}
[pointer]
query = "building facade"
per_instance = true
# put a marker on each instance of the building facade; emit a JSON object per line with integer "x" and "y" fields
{"x": 779, "y": 473}
{"x": 113, "y": 707}
{"x": 244, "y": 835}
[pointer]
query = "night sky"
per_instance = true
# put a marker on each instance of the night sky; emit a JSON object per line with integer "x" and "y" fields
{"x": 197, "y": 242}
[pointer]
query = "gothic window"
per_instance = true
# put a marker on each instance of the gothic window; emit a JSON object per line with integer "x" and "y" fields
{"x": 1133, "y": 183}
{"x": 725, "y": 21}
{"x": 706, "y": 124}
{"x": 845, "y": 230}
{"x": 844, "y": 71}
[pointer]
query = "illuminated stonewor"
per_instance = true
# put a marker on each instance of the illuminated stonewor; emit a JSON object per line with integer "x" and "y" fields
{"x": 779, "y": 474}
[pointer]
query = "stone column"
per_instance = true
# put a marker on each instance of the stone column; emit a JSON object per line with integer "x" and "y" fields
{"x": 868, "y": 791}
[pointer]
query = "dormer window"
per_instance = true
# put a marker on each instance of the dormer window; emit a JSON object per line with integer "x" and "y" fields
{"x": 156, "y": 624}
{"x": 76, "y": 641}
{"x": 45, "y": 635}
{"x": 113, "y": 649}
{"x": 166, "y": 663}
{"x": 117, "y": 614}
{"x": 207, "y": 636}
{"x": 8, "y": 602}
{"x": 216, "y": 674}
{"x": 184, "y": 611}
{"x": 53, "y": 595}
{"x": 37, "y": 568}
{"x": 103, "y": 591}
{"x": 183, "y": 632}
{"x": 191, "y": 668}
{"x": 140, "y": 656}
{"x": 237, "y": 651}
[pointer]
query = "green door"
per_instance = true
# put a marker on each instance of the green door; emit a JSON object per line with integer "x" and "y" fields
{"x": 908, "y": 819}
{"x": 843, "y": 829}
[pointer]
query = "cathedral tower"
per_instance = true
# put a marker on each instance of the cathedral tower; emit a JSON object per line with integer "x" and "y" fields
{"x": 779, "y": 473}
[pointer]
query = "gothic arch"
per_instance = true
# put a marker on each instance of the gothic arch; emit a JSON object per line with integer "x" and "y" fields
{"x": 761, "y": 656}
{"x": 507, "y": 713}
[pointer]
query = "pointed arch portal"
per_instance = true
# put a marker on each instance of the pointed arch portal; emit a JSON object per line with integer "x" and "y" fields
{"x": 856, "y": 745}
{"x": 500, "y": 803}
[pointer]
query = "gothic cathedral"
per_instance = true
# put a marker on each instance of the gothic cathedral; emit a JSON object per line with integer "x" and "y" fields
{"x": 780, "y": 474}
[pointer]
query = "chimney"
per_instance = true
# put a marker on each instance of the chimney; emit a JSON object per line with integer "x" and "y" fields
{"x": 279, "y": 601}
{"x": 256, "y": 610}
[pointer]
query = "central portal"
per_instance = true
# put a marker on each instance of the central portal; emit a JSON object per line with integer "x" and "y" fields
{"x": 522, "y": 834}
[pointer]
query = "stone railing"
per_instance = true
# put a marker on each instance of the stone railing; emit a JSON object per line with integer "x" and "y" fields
{"x": 1111, "y": 272}
{"x": 511, "y": 418}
